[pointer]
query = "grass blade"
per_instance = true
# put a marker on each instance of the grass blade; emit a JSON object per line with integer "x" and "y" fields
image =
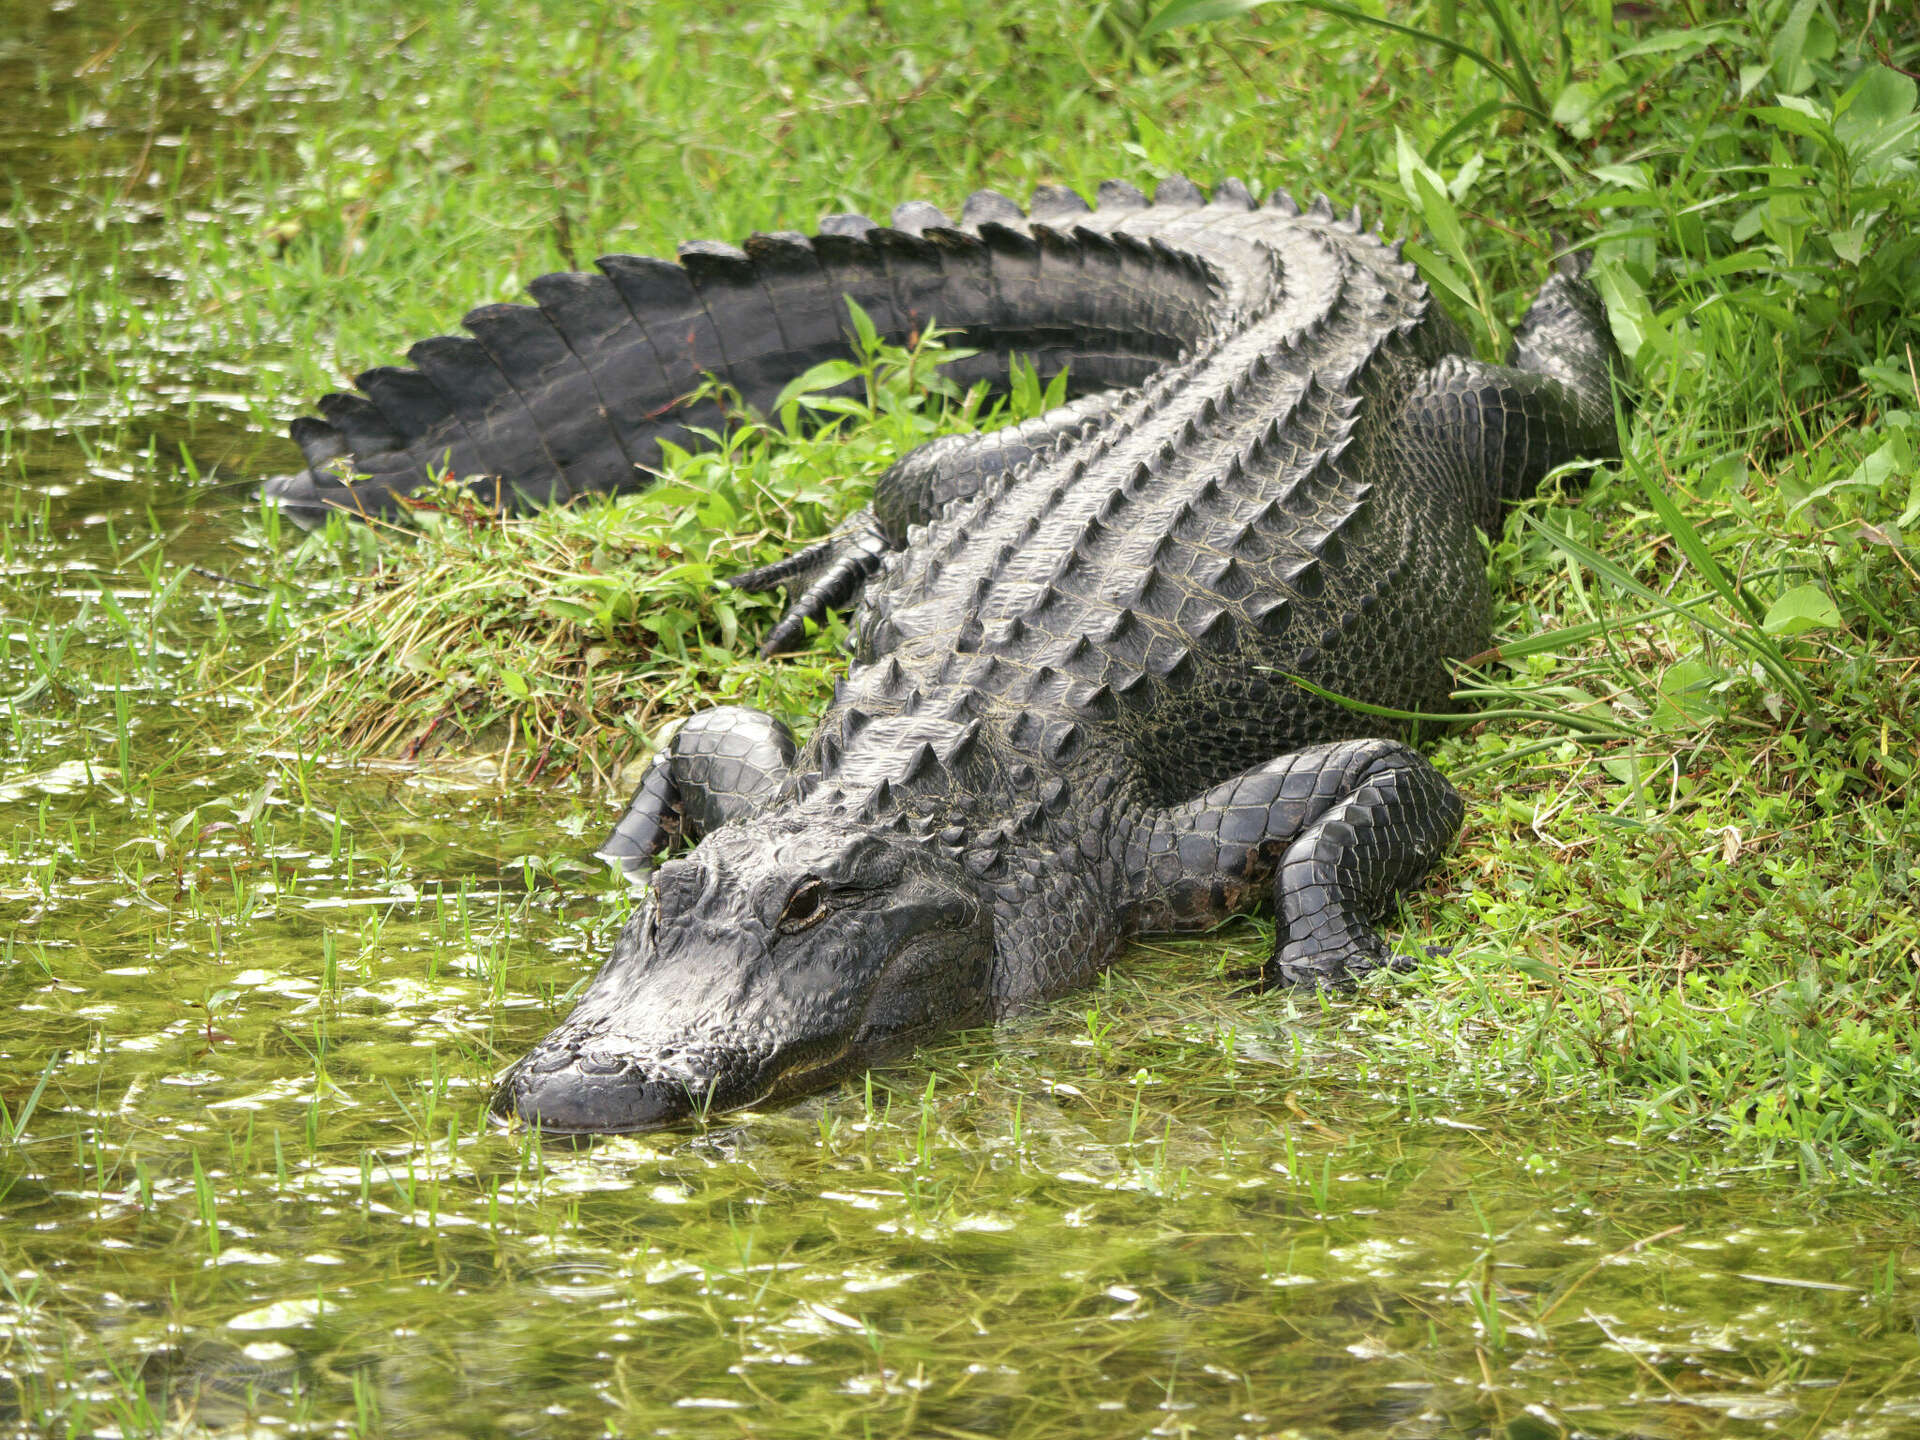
{"x": 1585, "y": 723}
{"x": 1746, "y": 638}
{"x": 1194, "y": 12}
{"x": 19, "y": 1126}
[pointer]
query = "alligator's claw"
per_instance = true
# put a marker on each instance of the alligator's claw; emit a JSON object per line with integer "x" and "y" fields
{"x": 834, "y": 571}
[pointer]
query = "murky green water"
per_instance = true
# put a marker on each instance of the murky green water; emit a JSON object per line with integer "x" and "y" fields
{"x": 251, "y": 1003}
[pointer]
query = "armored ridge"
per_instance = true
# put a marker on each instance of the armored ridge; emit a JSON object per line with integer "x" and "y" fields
{"x": 1070, "y": 717}
{"x": 576, "y": 393}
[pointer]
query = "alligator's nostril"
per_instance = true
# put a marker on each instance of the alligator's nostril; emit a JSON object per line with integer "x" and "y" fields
{"x": 593, "y": 1062}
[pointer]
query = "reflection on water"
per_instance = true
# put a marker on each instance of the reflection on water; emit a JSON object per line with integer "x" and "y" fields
{"x": 255, "y": 1002}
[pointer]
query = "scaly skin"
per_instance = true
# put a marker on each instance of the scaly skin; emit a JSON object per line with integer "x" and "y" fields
{"x": 1070, "y": 718}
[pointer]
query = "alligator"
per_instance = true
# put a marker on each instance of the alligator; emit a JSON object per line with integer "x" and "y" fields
{"x": 1105, "y": 663}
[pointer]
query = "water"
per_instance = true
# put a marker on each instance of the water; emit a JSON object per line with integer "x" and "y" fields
{"x": 254, "y": 1002}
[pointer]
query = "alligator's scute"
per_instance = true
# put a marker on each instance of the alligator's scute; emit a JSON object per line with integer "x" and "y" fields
{"x": 1072, "y": 714}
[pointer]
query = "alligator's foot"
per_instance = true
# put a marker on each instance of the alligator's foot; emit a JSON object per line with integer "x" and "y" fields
{"x": 833, "y": 571}
{"x": 721, "y": 764}
{"x": 1296, "y": 966}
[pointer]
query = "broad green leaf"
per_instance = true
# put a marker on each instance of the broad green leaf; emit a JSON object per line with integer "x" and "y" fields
{"x": 824, "y": 376}
{"x": 1875, "y": 119}
{"x": 1160, "y": 152}
{"x": 1795, "y": 121}
{"x": 1408, "y": 163}
{"x": 863, "y": 326}
{"x": 1461, "y": 185}
{"x": 1893, "y": 458}
{"x": 1685, "y": 692}
{"x": 1443, "y": 221}
{"x": 1663, "y": 42}
{"x": 515, "y": 684}
{"x": 1441, "y": 273}
{"x": 1803, "y": 608}
{"x": 1573, "y": 107}
{"x": 1851, "y": 244}
{"x": 1533, "y": 969}
{"x": 1788, "y": 52}
{"x": 1195, "y": 12}
{"x": 1628, "y": 176}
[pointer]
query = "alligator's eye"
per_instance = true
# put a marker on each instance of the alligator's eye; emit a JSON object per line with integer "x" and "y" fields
{"x": 806, "y": 906}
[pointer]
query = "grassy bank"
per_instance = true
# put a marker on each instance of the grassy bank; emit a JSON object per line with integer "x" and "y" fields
{"x": 1687, "y": 870}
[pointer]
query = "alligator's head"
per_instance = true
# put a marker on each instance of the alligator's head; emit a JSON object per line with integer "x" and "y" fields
{"x": 778, "y": 955}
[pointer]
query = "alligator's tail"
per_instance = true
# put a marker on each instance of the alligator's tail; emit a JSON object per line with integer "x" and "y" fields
{"x": 578, "y": 392}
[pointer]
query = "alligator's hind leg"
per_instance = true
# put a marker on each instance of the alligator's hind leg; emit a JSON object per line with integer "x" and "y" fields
{"x": 721, "y": 764}
{"x": 1336, "y": 830}
{"x": 911, "y": 491}
{"x": 1500, "y": 428}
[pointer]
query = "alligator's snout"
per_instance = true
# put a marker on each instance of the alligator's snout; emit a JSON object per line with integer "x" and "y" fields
{"x": 775, "y": 957}
{"x": 588, "y": 1095}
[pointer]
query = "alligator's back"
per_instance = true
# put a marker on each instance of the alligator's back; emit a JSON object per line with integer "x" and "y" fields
{"x": 1257, "y": 512}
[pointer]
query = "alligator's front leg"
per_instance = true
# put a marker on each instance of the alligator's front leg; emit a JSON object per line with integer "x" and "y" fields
{"x": 720, "y": 765}
{"x": 911, "y": 491}
{"x": 1336, "y": 830}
